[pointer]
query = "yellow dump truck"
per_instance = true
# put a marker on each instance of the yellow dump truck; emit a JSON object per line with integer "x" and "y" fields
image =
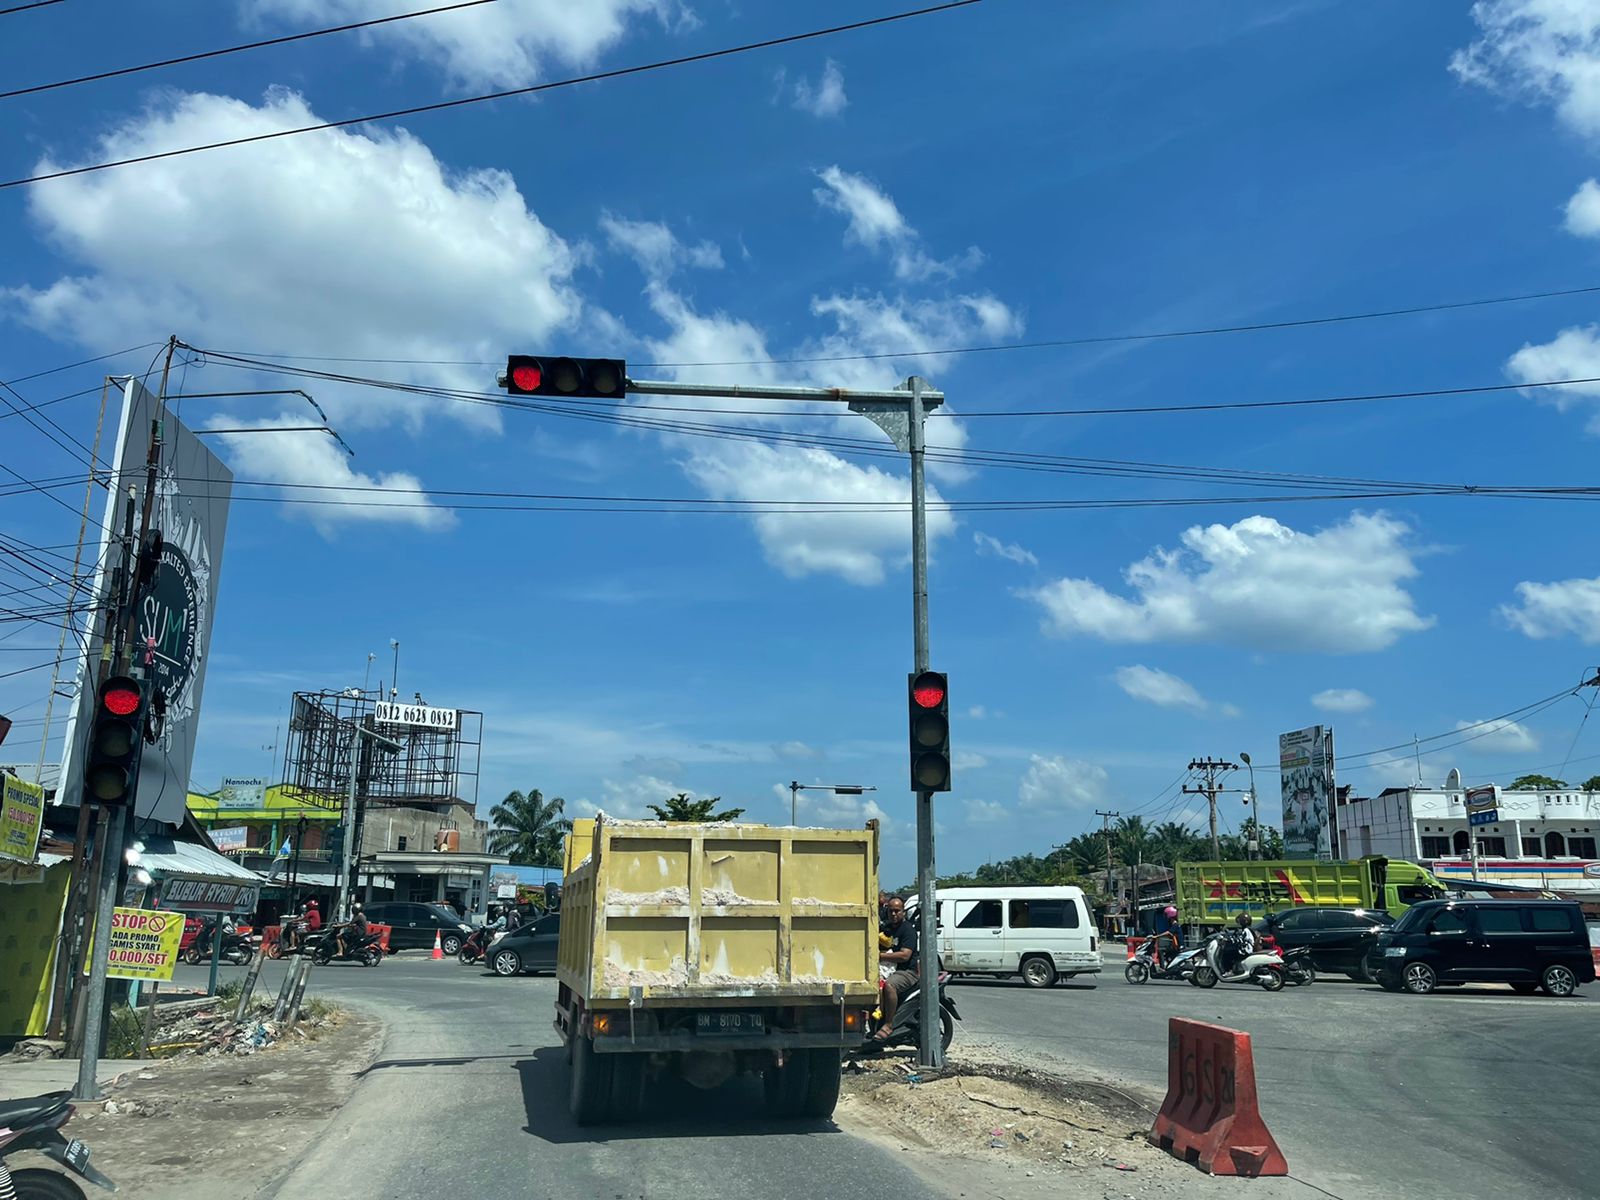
{"x": 707, "y": 950}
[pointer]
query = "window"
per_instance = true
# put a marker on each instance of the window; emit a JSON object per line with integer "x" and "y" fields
{"x": 1459, "y": 842}
{"x": 1549, "y": 920}
{"x": 402, "y": 844}
{"x": 1435, "y": 847}
{"x": 1554, "y": 845}
{"x": 1415, "y": 893}
{"x": 1492, "y": 847}
{"x": 1583, "y": 847}
{"x": 1531, "y": 847}
{"x": 1448, "y": 921}
{"x": 984, "y": 914}
{"x": 1044, "y": 914}
{"x": 1493, "y": 919}
{"x": 1291, "y": 920}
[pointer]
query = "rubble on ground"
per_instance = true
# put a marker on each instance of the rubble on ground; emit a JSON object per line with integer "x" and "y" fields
{"x": 212, "y": 1031}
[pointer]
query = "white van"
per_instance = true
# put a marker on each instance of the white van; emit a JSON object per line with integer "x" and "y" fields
{"x": 1040, "y": 933}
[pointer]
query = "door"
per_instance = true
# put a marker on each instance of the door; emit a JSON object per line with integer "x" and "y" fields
{"x": 411, "y": 927}
{"x": 1293, "y": 929}
{"x": 1504, "y": 950}
{"x": 543, "y": 944}
{"x": 1449, "y": 950}
{"x": 1052, "y": 925}
{"x": 976, "y": 938}
{"x": 1336, "y": 936}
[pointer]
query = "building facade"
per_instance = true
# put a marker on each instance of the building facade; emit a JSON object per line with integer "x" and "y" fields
{"x": 1539, "y": 839}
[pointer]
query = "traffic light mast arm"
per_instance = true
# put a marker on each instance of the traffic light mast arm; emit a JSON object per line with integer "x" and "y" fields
{"x": 658, "y": 387}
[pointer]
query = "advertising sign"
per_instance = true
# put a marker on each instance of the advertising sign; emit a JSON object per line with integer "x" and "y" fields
{"x": 1483, "y": 805}
{"x": 20, "y": 819}
{"x": 144, "y": 944}
{"x": 172, "y": 629}
{"x": 242, "y": 793}
{"x": 1305, "y": 765}
{"x": 387, "y": 713}
{"x": 235, "y": 837}
{"x": 199, "y": 896}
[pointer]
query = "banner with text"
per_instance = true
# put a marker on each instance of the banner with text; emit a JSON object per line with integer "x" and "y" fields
{"x": 1305, "y": 765}
{"x": 21, "y": 819}
{"x": 144, "y": 944}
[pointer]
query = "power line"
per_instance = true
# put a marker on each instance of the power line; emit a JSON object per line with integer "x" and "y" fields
{"x": 277, "y": 41}
{"x": 440, "y": 105}
{"x": 1522, "y": 711}
{"x": 16, "y": 8}
{"x": 83, "y": 362}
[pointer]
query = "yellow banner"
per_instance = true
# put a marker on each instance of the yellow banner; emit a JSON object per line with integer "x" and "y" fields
{"x": 144, "y": 943}
{"x": 21, "y": 819}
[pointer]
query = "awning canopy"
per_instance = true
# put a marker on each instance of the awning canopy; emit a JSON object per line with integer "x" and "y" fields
{"x": 195, "y": 878}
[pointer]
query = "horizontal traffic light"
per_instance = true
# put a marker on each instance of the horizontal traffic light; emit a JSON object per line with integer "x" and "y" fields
{"x": 929, "y": 710}
{"x": 116, "y": 739}
{"x": 578, "y": 378}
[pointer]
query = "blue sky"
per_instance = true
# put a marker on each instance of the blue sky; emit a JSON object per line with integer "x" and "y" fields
{"x": 1007, "y": 172}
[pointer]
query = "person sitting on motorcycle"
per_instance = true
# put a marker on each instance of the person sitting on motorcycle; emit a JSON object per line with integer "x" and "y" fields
{"x": 354, "y": 929}
{"x": 294, "y": 929}
{"x": 1244, "y": 940}
{"x": 901, "y": 958}
{"x": 1169, "y": 935}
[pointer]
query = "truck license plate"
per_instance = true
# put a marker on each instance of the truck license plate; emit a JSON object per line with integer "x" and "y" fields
{"x": 719, "y": 1023}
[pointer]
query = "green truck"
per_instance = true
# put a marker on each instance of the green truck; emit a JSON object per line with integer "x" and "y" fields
{"x": 1214, "y": 893}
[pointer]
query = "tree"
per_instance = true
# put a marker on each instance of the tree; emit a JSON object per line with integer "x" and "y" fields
{"x": 1172, "y": 843}
{"x": 529, "y": 828}
{"x": 1086, "y": 852}
{"x": 1537, "y": 783}
{"x": 1592, "y": 784}
{"x": 681, "y": 808}
{"x": 1132, "y": 840}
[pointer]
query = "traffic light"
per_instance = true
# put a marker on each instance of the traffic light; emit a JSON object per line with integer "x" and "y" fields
{"x": 583, "y": 378}
{"x": 116, "y": 739}
{"x": 930, "y": 731}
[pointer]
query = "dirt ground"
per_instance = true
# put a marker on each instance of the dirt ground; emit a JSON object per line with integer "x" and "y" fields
{"x": 199, "y": 1128}
{"x": 989, "y": 1128}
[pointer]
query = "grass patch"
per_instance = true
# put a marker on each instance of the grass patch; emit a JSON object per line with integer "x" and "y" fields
{"x": 122, "y": 1033}
{"x": 230, "y": 990}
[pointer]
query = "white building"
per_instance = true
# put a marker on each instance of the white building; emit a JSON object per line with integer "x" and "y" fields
{"x": 1541, "y": 839}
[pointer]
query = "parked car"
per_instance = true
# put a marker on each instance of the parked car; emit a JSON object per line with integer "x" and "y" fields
{"x": 1527, "y": 943}
{"x": 413, "y": 926}
{"x": 1040, "y": 933}
{"x": 530, "y": 947}
{"x": 1339, "y": 938}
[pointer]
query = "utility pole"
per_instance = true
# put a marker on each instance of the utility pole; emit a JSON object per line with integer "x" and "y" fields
{"x": 348, "y": 818}
{"x": 1212, "y": 767}
{"x": 1105, "y": 832}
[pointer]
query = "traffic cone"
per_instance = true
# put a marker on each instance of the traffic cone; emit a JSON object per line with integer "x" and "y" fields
{"x": 438, "y": 947}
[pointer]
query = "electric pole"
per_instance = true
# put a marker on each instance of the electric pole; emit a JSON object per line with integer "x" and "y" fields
{"x": 1105, "y": 832}
{"x": 1212, "y": 767}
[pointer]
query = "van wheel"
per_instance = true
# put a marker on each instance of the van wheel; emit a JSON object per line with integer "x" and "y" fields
{"x": 1038, "y": 971}
{"x": 450, "y": 945}
{"x": 1559, "y": 980}
{"x": 590, "y": 1097}
{"x": 1420, "y": 979}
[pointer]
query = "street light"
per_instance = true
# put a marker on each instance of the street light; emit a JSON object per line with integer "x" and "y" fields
{"x": 394, "y": 680}
{"x": 838, "y": 789}
{"x": 1255, "y": 810}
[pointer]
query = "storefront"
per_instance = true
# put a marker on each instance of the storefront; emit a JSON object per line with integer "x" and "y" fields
{"x": 456, "y": 878}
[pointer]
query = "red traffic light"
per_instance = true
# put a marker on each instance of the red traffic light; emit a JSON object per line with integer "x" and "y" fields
{"x": 120, "y": 697}
{"x": 928, "y": 689}
{"x": 526, "y": 376}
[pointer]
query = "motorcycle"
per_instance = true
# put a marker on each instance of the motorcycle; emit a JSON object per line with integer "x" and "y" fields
{"x": 1262, "y": 967}
{"x": 1144, "y": 965}
{"x": 476, "y": 947}
{"x": 1298, "y": 970}
{"x": 237, "y": 948}
{"x": 363, "y": 948}
{"x": 907, "y": 1027}
{"x": 35, "y": 1124}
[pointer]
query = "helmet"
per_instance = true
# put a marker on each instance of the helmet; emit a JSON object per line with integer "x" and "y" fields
{"x": 311, "y": 904}
{"x": 1169, "y": 911}
{"x": 356, "y": 906}
{"x": 1242, "y": 920}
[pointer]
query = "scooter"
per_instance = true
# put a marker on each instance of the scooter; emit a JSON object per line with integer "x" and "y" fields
{"x": 237, "y": 948}
{"x": 35, "y": 1124}
{"x": 1298, "y": 970}
{"x": 1144, "y": 965}
{"x": 907, "y": 1027}
{"x": 477, "y": 945}
{"x": 364, "y": 949}
{"x": 1262, "y": 967}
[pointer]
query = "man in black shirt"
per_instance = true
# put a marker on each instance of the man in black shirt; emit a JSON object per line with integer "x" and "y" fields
{"x": 902, "y": 957}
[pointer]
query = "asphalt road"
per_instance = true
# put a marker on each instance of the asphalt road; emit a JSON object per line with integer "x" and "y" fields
{"x": 1471, "y": 1093}
{"x": 470, "y": 1099}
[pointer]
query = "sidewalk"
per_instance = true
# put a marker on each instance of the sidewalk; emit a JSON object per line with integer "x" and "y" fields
{"x": 20, "y": 1080}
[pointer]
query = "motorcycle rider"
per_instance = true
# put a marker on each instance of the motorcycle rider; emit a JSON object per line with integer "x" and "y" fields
{"x": 1244, "y": 940}
{"x": 354, "y": 929}
{"x": 901, "y": 958}
{"x": 1169, "y": 935}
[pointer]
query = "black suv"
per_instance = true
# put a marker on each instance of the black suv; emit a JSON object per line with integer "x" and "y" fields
{"x": 1338, "y": 938}
{"x": 1527, "y": 943}
{"x": 530, "y": 947}
{"x": 413, "y": 926}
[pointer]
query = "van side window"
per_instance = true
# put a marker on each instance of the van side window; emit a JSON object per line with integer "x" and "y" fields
{"x": 984, "y": 914}
{"x": 1499, "y": 920}
{"x": 1448, "y": 921}
{"x": 1044, "y": 914}
{"x": 1549, "y": 920}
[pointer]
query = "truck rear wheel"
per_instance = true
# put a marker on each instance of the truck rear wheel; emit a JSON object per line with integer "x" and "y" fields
{"x": 822, "y": 1089}
{"x": 590, "y": 1098}
{"x": 788, "y": 1087}
{"x": 627, "y": 1086}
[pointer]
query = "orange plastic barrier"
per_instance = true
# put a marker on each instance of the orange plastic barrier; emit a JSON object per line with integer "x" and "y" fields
{"x": 1134, "y": 942}
{"x": 1210, "y": 1117}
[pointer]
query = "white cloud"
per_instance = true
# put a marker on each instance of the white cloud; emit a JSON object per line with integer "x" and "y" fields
{"x": 1256, "y": 583}
{"x": 506, "y": 44}
{"x": 349, "y": 242}
{"x": 875, "y": 222}
{"x": 796, "y": 750}
{"x": 1583, "y": 210}
{"x": 1565, "y": 607}
{"x": 827, "y": 98}
{"x": 654, "y": 247}
{"x": 1058, "y": 784}
{"x": 832, "y": 810}
{"x": 977, "y": 712}
{"x": 628, "y": 797}
{"x": 1160, "y": 688}
{"x": 966, "y": 760}
{"x": 1539, "y": 51}
{"x": 1574, "y": 353}
{"x": 315, "y": 458}
{"x": 1500, "y": 735}
{"x": 985, "y": 812}
{"x": 994, "y": 547}
{"x": 1342, "y": 700}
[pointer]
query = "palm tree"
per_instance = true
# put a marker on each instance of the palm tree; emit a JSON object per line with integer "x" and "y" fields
{"x": 1086, "y": 852}
{"x": 529, "y": 828}
{"x": 1132, "y": 839}
{"x": 1171, "y": 843}
{"x": 681, "y": 808}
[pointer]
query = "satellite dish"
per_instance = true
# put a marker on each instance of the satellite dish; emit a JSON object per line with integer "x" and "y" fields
{"x": 1452, "y": 781}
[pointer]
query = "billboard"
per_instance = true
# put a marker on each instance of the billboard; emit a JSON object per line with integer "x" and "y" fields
{"x": 234, "y": 837}
{"x": 173, "y": 624}
{"x": 242, "y": 793}
{"x": 1305, "y": 766}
